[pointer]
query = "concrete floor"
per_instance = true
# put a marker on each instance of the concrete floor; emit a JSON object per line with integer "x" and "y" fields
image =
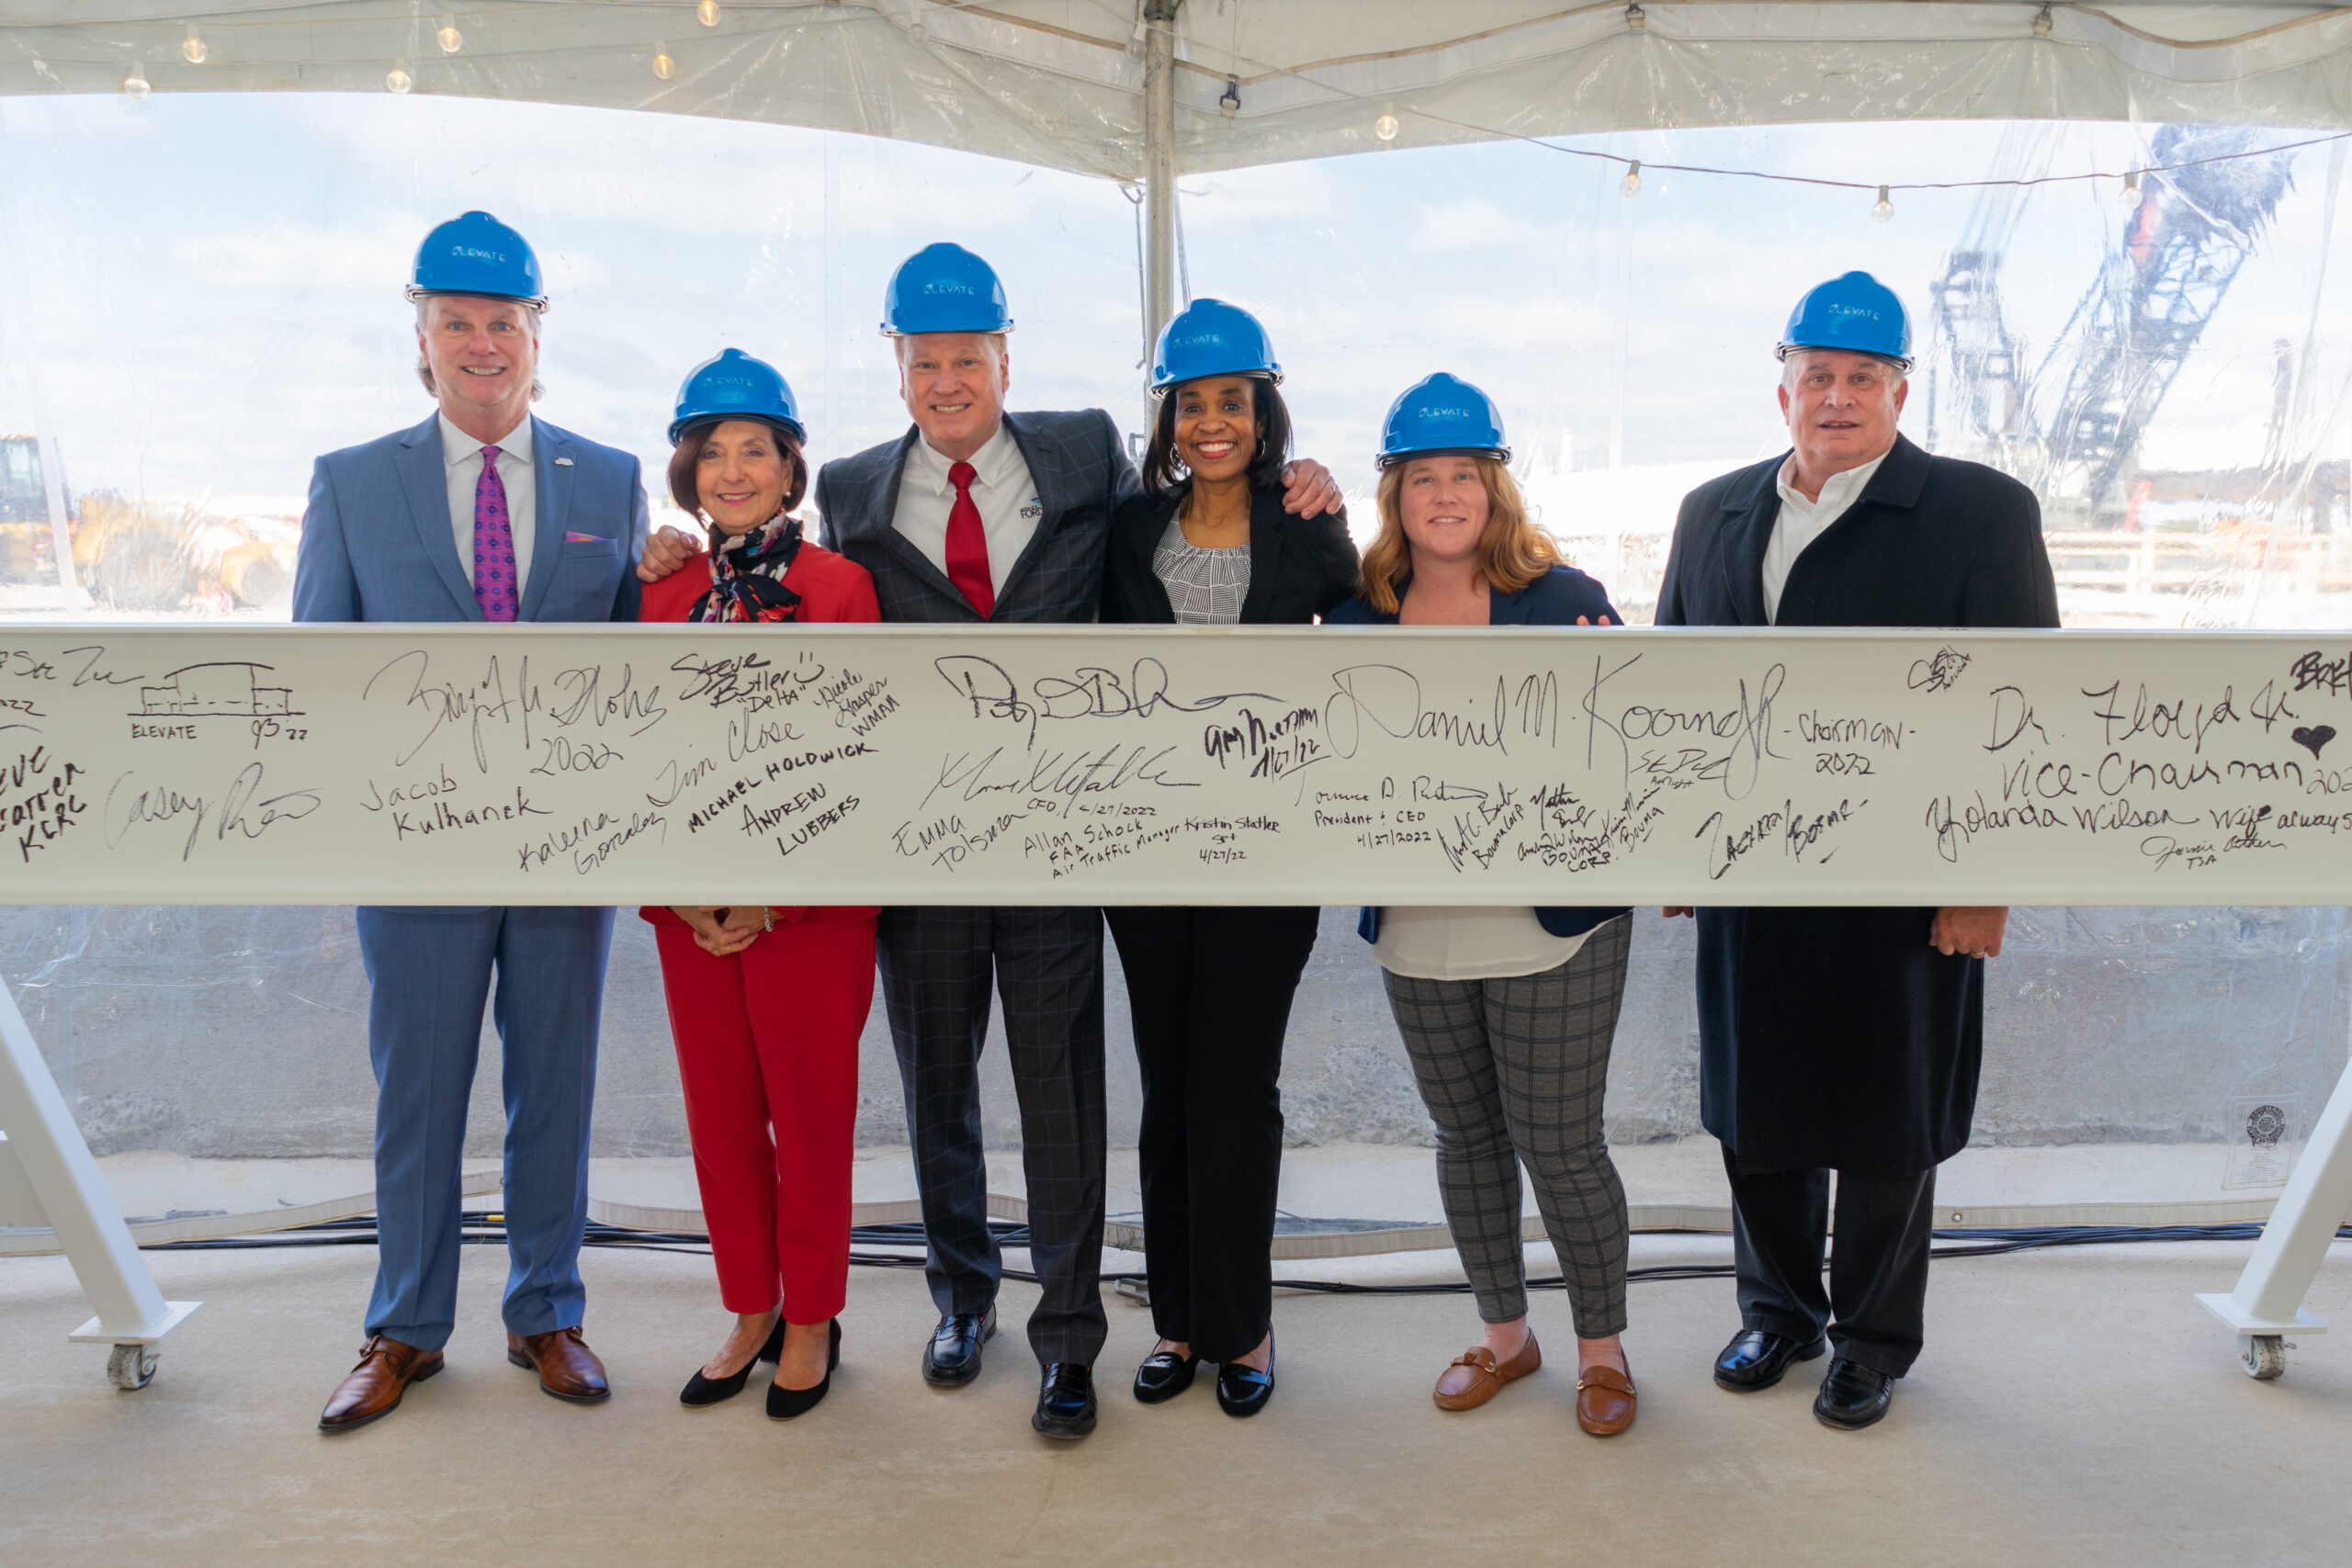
{"x": 2074, "y": 1407}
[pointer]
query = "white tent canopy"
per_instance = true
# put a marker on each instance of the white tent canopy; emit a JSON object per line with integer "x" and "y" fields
{"x": 1062, "y": 83}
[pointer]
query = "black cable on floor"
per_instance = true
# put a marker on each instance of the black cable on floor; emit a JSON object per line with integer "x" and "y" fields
{"x": 487, "y": 1227}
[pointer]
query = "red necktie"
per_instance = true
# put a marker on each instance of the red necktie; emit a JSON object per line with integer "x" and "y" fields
{"x": 967, "y": 543}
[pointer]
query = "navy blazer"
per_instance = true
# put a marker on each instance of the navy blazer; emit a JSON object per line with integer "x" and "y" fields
{"x": 377, "y": 544}
{"x": 1555, "y": 599}
{"x": 1080, "y": 468}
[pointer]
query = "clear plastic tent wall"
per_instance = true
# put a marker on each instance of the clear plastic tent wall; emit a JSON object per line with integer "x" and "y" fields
{"x": 198, "y": 292}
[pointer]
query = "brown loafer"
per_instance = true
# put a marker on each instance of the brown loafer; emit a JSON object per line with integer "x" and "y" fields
{"x": 375, "y": 1386}
{"x": 1605, "y": 1400}
{"x": 567, "y": 1368}
{"x": 1475, "y": 1377}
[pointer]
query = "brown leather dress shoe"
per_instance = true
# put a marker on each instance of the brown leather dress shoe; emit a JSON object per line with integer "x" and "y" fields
{"x": 567, "y": 1368}
{"x": 1475, "y": 1377}
{"x": 374, "y": 1388}
{"x": 1605, "y": 1400}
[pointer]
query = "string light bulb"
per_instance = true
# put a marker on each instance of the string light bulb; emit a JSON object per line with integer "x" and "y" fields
{"x": 135, "y": 87}
{"x": 1632, "y": 184}
{"x": 707, "y": 13}
{"x": 1230, "y": 103}
{"x": 396, "y": 80}
{"x": 450, "y": 38}
{"x": 2131, "y": 188}
{"x": 663, "y": 66}
{"x": 1884, "y": 210}
{"x": 192, "y": 47}
{"x": 1385, "y": 126}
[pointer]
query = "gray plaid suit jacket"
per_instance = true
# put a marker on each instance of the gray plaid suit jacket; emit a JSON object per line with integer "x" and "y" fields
{"x": 1081, "y": 469}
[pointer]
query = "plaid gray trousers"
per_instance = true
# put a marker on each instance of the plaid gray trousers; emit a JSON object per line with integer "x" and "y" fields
{"x": 1513, "y": 1071}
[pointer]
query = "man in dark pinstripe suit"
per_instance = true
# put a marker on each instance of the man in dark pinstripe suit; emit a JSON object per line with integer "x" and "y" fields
{"x": 978, "y": 516}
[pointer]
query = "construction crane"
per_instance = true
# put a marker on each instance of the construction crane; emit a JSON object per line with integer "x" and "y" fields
{"x": 2071, "y": 425}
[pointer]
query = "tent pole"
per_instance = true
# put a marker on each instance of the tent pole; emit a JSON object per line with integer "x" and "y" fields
{"x": 1158, "y": 166}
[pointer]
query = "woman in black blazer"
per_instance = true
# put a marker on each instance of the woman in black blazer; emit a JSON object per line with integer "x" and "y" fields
{"x": 1209, "y": 544}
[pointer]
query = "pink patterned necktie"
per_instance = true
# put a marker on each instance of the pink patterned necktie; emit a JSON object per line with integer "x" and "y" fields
{"x": 494, "y": 586}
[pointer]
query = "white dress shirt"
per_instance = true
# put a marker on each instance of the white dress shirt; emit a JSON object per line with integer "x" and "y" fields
{"x": 1802, "y": 522}
{"x": 1442, "y": 942}
{"x": 461, "y": 459}
{"x": 1009, "y": 510}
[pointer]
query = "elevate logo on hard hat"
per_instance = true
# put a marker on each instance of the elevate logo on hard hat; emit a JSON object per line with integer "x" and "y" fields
{"x": 1852, "y": 314}
{"x": 943, "y": 288}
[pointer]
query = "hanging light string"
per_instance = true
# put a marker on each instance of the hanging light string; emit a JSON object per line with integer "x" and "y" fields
{"x": 2131, "y": 175}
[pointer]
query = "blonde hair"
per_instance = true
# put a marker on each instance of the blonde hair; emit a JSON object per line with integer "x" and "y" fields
{"x": 1512, "y": 552}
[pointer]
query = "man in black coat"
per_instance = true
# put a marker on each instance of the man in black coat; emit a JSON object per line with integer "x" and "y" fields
{"x": 1845, "y": 1039}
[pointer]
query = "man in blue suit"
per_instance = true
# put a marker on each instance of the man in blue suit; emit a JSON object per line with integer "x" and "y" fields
{"x": 482, "y": 513}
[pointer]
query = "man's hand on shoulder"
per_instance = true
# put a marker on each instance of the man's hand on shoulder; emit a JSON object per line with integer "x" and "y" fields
{"x": 666, "y": 549}
{"x": 1309, "y": 489}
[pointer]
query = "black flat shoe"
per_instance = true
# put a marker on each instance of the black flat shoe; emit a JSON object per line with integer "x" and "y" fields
{"x": 1244, "y": 1390}
{"x": 784, "y": 1403}
{"x": 952, "y": 1359}
{"x": 1163, "y": 1375}
{"x": 1853, "y": 1396}
{"x": 1065, "y": 1402}
{"x": 701, "y": 1391}
{"x": 1755, "y": 1359}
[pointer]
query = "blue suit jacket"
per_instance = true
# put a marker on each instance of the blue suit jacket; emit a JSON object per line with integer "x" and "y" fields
{"x": 1555, "y": 599}
{"x": 377, "y": 544}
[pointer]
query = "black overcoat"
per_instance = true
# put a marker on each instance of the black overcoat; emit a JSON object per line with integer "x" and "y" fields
{"x": 1838, "y": 1038}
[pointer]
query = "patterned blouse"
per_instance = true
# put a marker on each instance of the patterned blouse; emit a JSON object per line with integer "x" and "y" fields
{"x": 1204, "y": 587}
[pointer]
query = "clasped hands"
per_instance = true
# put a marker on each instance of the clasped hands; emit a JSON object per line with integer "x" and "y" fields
{"x": 723, "y": 929}
{"x": 1974, "y": 931}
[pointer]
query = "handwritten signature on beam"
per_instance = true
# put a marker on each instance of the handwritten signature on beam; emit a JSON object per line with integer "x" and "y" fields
{"x": 1089, "y": 692}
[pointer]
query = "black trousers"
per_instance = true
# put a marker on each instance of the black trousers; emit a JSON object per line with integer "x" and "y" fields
{"x": 1211, "y": 991}
{"x": 935, "y": 966}
{"x": 1875, "y": 1306}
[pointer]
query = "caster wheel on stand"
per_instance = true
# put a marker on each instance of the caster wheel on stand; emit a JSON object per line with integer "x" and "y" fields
{"x": 132, "y": 1366}
{"x": 2265, "y": 1356}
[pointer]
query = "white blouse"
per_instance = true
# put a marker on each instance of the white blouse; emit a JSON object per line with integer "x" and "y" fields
{"x": 1468, "y": 943}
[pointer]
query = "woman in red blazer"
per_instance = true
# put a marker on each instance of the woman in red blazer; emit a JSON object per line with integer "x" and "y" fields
{"x": 767, "y": 1004}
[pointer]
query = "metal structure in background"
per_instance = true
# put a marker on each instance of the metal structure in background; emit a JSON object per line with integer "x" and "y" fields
{"x": 2071, "y": 426}
{"x": 1159, "y": 166}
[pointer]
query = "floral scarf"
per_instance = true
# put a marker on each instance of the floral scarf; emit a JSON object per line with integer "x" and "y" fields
{"x": 747, "y": 574}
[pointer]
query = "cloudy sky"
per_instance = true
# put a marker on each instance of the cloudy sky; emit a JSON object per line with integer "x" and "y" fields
{"x": 204, "y": 293}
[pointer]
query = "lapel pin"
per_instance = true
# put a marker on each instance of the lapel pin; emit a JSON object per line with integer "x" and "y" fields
{"x": 563, "y": 462}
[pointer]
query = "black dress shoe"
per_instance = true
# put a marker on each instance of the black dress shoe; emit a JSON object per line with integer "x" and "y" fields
{"x": 1066, "y": 1401}
{"x": 784, "y": 1403}
{"x": 1853, "y": 1395}
{"x": 952, "y": 1356}
{"x": 1243, "y": 1390}
{"x": 701, "y": 1391}
{"x": 1163, "y": 1375}
{"x": 1757, "y": 1360}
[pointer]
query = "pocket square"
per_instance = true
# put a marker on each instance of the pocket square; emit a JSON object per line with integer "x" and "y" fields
{"x": 563, "y": 462}
{"x": 587, "y": 540}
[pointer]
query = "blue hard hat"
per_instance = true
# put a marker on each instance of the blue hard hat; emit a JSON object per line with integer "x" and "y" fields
{"x": 1855, "y": 313}
{"x": 1442, "y": 413}
{"x": 943, "y": 288}
{"x": 736, "y": 386}
{"x": 1209, "y": 337}
{"x": 476, "y": 253}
